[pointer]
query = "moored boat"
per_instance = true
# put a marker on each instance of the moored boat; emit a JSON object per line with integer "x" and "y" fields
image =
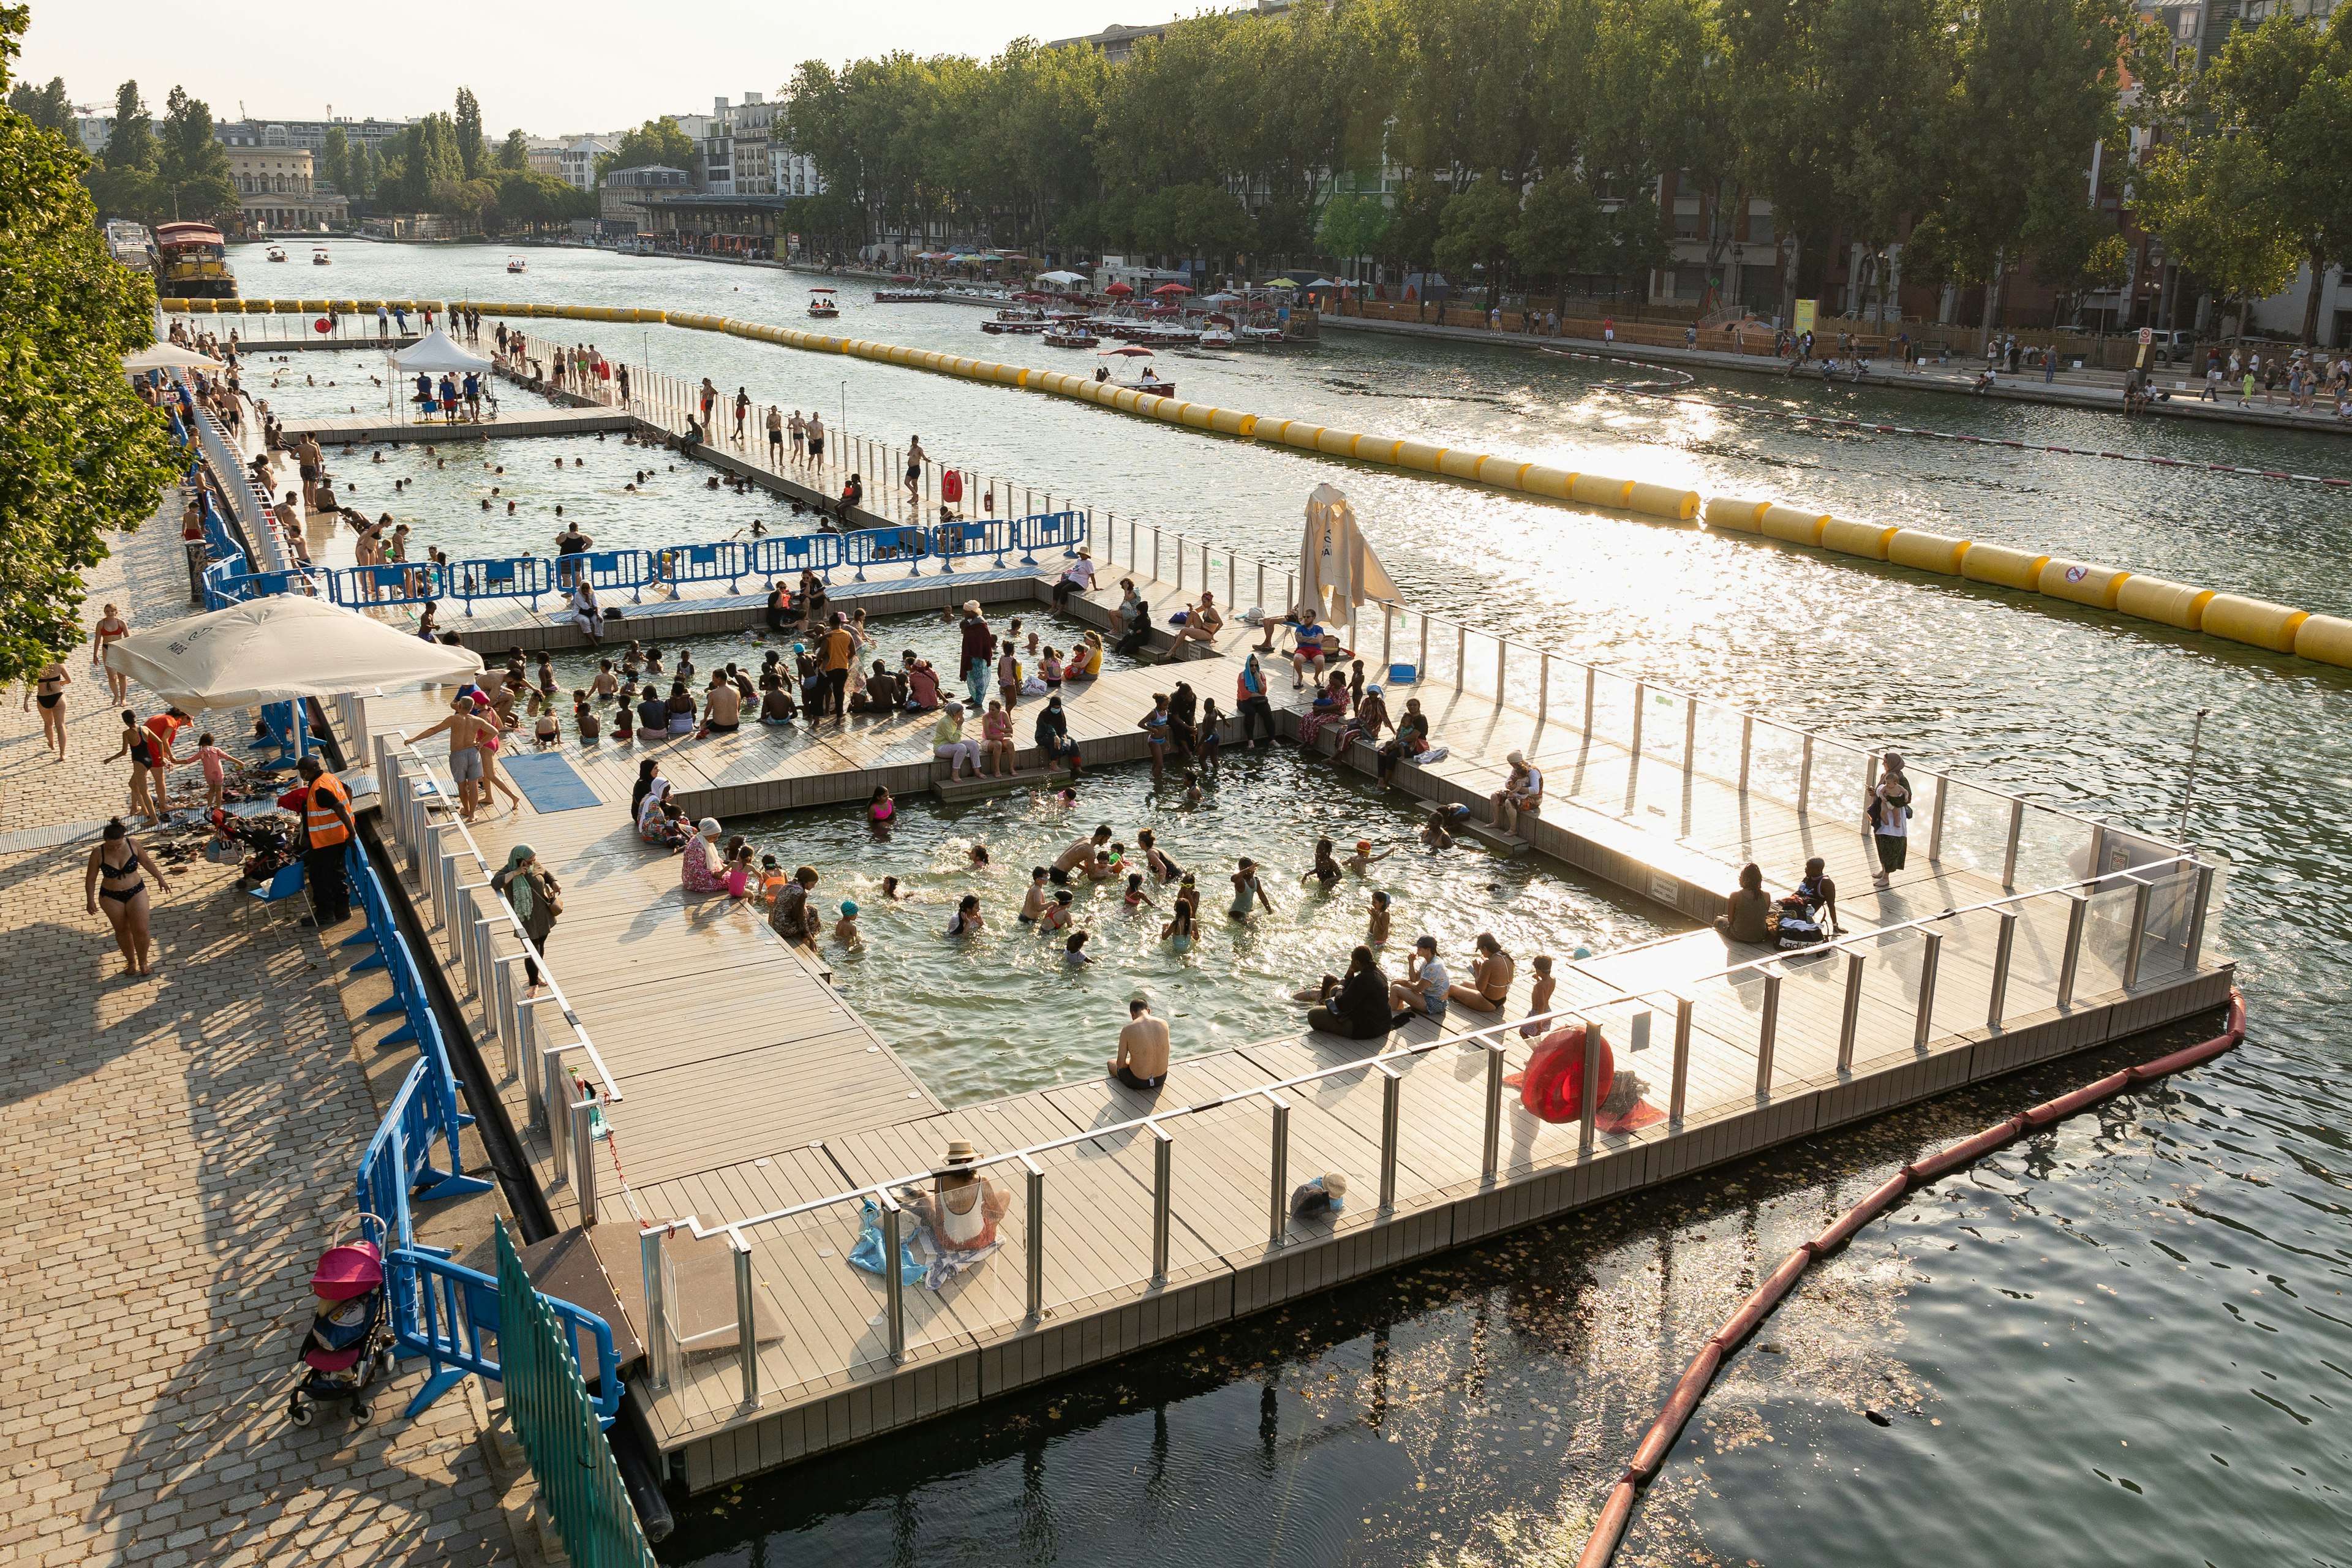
{"x": 821, "y": 303}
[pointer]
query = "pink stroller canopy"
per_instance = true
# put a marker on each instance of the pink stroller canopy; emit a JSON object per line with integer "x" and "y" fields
{"x": 354, "y": 1269}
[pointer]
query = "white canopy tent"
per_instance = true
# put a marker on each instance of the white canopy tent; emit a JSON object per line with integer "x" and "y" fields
{"x": 283, "y": 647}
{"x": 434, "y": 353}
{"x": 1062, "y": 277}
{"x": 165, "y": 356}
{"x": 1336, "y": 563}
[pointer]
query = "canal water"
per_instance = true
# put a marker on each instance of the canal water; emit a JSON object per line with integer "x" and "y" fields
{"x": 2125, "y": 1339}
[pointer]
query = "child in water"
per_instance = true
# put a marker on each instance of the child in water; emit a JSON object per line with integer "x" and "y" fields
{"x": 1136, "y": 897}
{"x": 1178, "y": 932}
{"x": 890, "y": 889}
{"x": 1040, "y": 891}
{"x": 844, "y": 930}
{"x": 879, "y": 811}
{"x": 1058, "y": 913}
{"x": 1376, "y": 934}
{"x": 966, "y": 920}
{"x": 1074, "y": 950}
{"x": 1363, "y": 859}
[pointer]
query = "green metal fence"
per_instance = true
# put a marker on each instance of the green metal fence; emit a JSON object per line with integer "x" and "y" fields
{"x": 556, "y": 1421}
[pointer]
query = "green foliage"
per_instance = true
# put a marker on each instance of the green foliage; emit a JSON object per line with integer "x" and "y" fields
{"x": 423, "y": 170}
{"x": 332, "y": 166}
{"x": 1352, "y": 224}
{"x": 192, "y": 166}
{"x": 1562, "y": 227}
{"x": 131, "y": 144}
{"x": 80, "y": 454}
{"x": 514, "y": 153}
{"x": 2219, "y": 203}
{"x": 471, "y": 154}
{"x": 46, "y": 107}
{"x": 1475, "y": 230}
{"x": 657, "y": 141}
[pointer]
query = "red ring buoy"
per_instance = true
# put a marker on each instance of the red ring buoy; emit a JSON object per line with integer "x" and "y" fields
{"x": 1552, "y": 1086}
{"x": 323, "y": 324}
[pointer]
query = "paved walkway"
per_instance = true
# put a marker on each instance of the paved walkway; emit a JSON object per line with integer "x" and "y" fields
{"x": 179, "y": 1151}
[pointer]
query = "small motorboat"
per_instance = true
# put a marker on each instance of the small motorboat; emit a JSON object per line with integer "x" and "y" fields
{"x": 1021, "y": 319}
{"x": 514, "y": 264}
{"x": 320, "y": 257}
{"x": 905, "y": 296}
{"x": 1070, "y": 335}
{"x": 1145, "y": 378}
{"x": 277, "y": 253}
{"x": 1216, "y": 338}
{"x": 821, "y": 304}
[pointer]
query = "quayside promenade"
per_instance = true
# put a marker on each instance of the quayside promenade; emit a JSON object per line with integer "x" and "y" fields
{"x": 179, "y": 1153}
{"x": 752, "y": 1114}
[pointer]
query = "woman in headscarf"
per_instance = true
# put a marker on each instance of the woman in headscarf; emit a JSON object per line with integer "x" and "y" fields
{"x": 535, "y": 898}
{"x": 1053, "y": 737}
{"x": 700, "y": 869}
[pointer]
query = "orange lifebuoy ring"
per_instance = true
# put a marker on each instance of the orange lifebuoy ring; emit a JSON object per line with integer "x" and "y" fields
{"x": 1552, "y": 1085}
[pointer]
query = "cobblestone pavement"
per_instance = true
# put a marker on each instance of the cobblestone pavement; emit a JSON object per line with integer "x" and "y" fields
{"x": 177, "y": 1152}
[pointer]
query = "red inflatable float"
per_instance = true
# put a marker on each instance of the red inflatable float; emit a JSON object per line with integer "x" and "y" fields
{"x": 1552, "y": 1084}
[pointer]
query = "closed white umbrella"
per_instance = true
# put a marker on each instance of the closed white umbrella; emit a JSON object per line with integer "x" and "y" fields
{"x": 1336, "y": 561}
{"x": 279, "y": 649}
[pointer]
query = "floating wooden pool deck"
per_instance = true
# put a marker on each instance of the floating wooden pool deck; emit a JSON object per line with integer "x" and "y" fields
{"x": 747, "y": 1085}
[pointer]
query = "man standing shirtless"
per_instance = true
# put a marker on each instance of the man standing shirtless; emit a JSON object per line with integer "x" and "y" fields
{"x": 468, "y": 730}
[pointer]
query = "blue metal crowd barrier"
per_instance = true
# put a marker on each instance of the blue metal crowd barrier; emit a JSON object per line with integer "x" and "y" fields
{"x": 954, "y": 541}
{"x": 630, "y": 569}
{"x": 817, "y": 553}
{"x": 678, "y": 564}
{"x": 503, "y": 577}
{"x": 873, "y": 546}
{"x": 1049, "y": 529}
{"x": 449, "y": 1315}
{"x": 364, "y": 587}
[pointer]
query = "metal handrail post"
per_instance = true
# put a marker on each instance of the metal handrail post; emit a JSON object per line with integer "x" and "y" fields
{"x": 1589, "y": 1110}
{"x": 1641, "y": 701}
{"x": 1277, "y": 1183}
{"x": 1768, "y": 1034}
{"x": 650, "y": 1261}
{"x": 1805, "y": 775}
{"x": 1261, "y": 588}
{"x": 1501, "y": 667}
{"x": 747, "y": 1313}
{"x": 1684, "y": 1007}
{"x": 502, "y": 1010}
{"x": 454, "y": 929}
{"x": 1391, "y": 1107}
{"x": 1590, "y": 677}
{"x": 1421, "y": 670}
{"x": 1690, "y": 739}
{"x": 2141, "y": 888}
{"x": 2070, "y": 964}
{"x": 894, "y": 1284}
{"x": 554, "y": 1084}
{"x": 2008, "y": 856}
{"x": 1935, "y": 825}
{"x": 1461, "y": 653}
{"x": 1490, "y": 1143}
{"x": 1850, "y": 1020}
{"x": 2098, "y": 851}
{"x": 1163, "y": 1185}
{"x": 1388, "y": 627}
{"x": 2196, "y": 945}
{"x": 1034, "y": 1179}
{"x": 2003, "y": 946}
{"x": 1747, "y": 749}
{"x": 583, "y": 1158}
{"x": 1929, "y": 958}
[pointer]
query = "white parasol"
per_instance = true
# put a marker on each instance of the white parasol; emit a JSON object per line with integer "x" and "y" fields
{"x": 164, "y": 356}
{"x": 435, "y": 353}
{"x": 274, "y": 649}
{"x": 1336, "y": 562}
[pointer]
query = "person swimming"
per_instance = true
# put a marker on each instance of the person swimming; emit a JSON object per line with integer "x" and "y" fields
{"x": 1325, "y": 870}
{"x": 880, "y": 809}
{"x": 1058, "y": 913}
{"x": 1040, "y": 892}
{"x": 966, "y": 920}
{"x": 1178, "y": 932}
{"x": 1074, "y": 950}
{"x": 1136, "y": 897}
{"x": 1376, "y": 934}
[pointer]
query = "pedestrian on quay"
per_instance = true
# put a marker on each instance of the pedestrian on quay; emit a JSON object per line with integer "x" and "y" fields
{"x": 916, "y": 456}
{"x": 1889, "y": 814}
{"x": 116, "y": 863}
{"x": 536, "y": 899}
{"x": 328, "y": 830}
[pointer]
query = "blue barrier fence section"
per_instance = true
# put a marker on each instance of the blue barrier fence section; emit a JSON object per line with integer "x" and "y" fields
{"x": 875, "y": 546}
{"x": 817, "y": 553}
{"x": 1062, "y": 531}
{"x": 959, "y": 541}
{"x": 528, "y": 577}
{"x": 725, "y": 561}
{"x": 363, "y": 587}
{"x": 445, "y": 1312}
{"x": 608, "y": 569}
{"x": 449, "y": 1315}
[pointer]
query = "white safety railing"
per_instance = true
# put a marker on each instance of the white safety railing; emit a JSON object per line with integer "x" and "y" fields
{"x": 1890, "y": 990}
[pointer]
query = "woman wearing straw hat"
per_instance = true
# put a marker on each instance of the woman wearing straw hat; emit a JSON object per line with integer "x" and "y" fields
{"x": 1523, "y": 791}
{"x": 1078, "y": 577}
{"x": 963, "y": 1206}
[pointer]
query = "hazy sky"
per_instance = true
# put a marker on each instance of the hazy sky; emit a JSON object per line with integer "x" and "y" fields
{"x": 582, "y": 64}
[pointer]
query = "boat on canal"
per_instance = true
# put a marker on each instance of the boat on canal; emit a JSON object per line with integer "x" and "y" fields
{"x": 1136, "y": 372}
{"x": 193, "y": 262}
{"x": 821, "y": 303}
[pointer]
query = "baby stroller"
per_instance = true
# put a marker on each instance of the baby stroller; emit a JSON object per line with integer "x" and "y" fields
{"x": 349, "y": 1338}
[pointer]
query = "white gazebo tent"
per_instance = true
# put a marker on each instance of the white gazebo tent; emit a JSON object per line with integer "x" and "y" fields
{"x": 284, "y": 648}
{"x": 1337, "y": 567}
{"x": 165, "y": 356}
{"x": 431, "y": 354}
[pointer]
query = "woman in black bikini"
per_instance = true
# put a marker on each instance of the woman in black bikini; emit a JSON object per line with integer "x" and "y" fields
{"x": 117, "y": 861}
{"x": 50, "y": 684}
{"x": 135, "y": 746}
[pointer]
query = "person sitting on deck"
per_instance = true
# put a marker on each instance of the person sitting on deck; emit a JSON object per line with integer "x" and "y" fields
{"x": 947, "y": 742}
{"x": 1490, "y": 978}
{"x": 700, "y": 869}
{"x": 1820, "y": 895}
{"x": 1523, "y": 791}
{"x": 792, "y": 918}
{"x": 923, "y": 687}
{"x": 1053, "y": 737}
{"x": 962, "y": 1208}
{"x": 776, "y": 704}
{"x": 1747, "y": 908}
{"x": 1423, "y": 992}
{"x": 1306, "y": 658}
{"x": 1201, "y": 624}
{"x": 1142, "y": 1063}
{"x": 1357, "y": 1006}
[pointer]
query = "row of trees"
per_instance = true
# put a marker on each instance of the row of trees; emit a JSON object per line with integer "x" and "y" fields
{"x": 81, "y": 456}
{"x": 1531, "y": 138}
{"x": 149, "y": 171}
